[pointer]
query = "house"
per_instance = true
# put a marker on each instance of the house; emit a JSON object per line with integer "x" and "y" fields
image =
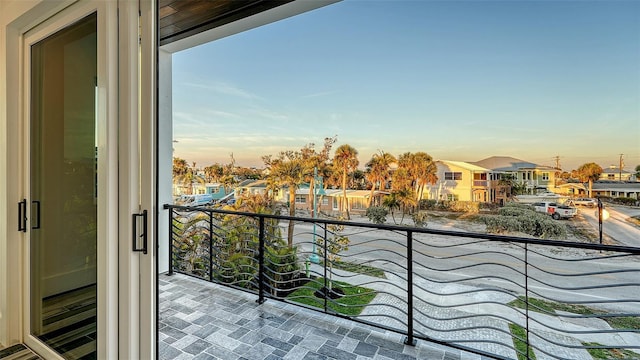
{"x": 460, "y": 181}
{"x": 331, "y": 201}
{"x": 628, "y": 189}
{"x": 259, "y": 187}
{"x": 532, "y": 176}
{"x": 615, "y": 173}
{"x": 216, "y": 190}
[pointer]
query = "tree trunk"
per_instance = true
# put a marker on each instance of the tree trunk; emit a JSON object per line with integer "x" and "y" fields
{"x": 292, "y": 212}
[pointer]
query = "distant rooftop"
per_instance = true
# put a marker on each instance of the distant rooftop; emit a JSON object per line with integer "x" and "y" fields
{"x": 507, "y": 163}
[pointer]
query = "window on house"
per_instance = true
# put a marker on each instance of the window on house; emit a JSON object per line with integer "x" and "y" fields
{"x": 453, "y": 176}
{"x": 358, "y": 203}
{"x": 301, "y": 199}
{"x": 545, "y": 176}
{"x": 452, "y": 197}
{"x": 214, "y": 190}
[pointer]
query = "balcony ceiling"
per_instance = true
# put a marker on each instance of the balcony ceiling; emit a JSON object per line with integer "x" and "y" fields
{"x": 179, "y": 19}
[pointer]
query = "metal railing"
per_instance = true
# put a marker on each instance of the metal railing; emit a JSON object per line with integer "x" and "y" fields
{"x": 498, "y": 296}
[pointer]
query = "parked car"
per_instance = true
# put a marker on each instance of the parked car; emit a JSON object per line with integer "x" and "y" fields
{"x": 555, "y": 210}
{"x": 584, "y": 202}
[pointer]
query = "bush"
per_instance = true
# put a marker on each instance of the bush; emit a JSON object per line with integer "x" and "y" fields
{"x": 377, "y": 214}
{"x": 419, "y": 218}
{"x": 446, "y": 205}
{"x": 624, "y": 200}
{"x": 522, "y": 218}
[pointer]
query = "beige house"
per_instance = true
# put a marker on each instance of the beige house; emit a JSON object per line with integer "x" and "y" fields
{"x": 460, "y": 181}
{"x": 614, "y": 173}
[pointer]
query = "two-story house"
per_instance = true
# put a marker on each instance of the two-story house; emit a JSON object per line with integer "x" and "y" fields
{"x": 460, "y": 181}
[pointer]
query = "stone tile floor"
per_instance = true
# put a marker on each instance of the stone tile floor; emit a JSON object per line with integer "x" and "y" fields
{"x": 200, "y": 320}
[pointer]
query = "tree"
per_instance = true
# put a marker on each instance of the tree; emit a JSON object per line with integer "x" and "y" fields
{"x": 213, "y": 172}
{"x": 589, "y": 172}
{"x": 637, "y": 172}
{"x": 419, "y": 170}
{"x": 391, "y": 202}
{"x": 318, "y": 160}
{"x": 288, "y": 170}
{"x": 346, "y": 160}
{"x": 378, "y": 171}
{"x": 334, "y": 246}
{"x": 185, "y": 174}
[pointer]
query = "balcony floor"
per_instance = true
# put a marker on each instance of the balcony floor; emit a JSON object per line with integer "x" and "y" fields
{"x": 201, "y": 320}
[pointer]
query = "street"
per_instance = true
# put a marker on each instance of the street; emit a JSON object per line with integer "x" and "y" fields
{"x": 616, "y": 227}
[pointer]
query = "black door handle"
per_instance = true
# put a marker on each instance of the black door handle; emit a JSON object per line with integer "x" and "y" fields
{"x": 140, "y": 233}
{"x": 22, "y": 215}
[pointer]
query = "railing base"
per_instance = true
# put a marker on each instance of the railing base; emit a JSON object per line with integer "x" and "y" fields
{"x": 410, "y": 341}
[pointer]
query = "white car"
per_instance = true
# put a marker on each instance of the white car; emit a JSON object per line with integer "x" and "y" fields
{"x": 585, "y": 202}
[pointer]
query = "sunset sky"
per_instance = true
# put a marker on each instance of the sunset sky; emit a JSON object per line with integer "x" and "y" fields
{"x": 460, "y": 80}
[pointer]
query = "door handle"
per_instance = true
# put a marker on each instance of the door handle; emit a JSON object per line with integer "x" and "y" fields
{"x": 140, "y": 232}
{"x": 37, "y": 217}
{"x": 22, "y": 215}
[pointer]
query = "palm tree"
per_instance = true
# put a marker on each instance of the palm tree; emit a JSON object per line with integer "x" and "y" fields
{"x": 589, "y": 172}
{"x": 419, "y": 170}
{"x": 424, "y": 172}
{"x": 287, "y": 170}
{"x": 346, "y": 160}
{"x": 378, "y": 171}
{"x": 391, "y": 202}
{"x": 213, "y": 172}
{"x": 185, "y": 174}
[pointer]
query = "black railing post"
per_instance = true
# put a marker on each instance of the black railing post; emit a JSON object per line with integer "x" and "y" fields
{"x": 324, "y": 261}
{"x": 210, "y": 246}
{"x": 170, "y": 241}
{"x": 526, "y": 294}
{"x": 261, "y": 260}
{"x": 410, "y": 340}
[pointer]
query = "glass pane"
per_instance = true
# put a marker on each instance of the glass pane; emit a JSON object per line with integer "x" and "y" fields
{"x": 64, "y": 190}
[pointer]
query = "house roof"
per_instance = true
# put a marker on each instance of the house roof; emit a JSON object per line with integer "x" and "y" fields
{"x": 615, "y": 171}
{"x": 616, "y": 186}
{"x": 465, "y": 165}
{"x": 507, "y": 163}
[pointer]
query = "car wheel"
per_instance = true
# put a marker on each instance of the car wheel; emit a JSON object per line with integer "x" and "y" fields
{"x": 556, "y": 216}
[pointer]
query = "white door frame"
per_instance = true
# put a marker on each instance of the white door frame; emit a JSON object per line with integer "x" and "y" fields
{"x": 137, "y": 46}
{"x": 126, "y": 279}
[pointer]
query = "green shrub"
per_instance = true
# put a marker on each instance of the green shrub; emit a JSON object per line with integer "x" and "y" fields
{"x": 446, "y": 205}
{"x": 419, "y": 218}
{"x": 624, "y": 201}
{"x": 377, "y": 214}
{"x": 522, "y": 218}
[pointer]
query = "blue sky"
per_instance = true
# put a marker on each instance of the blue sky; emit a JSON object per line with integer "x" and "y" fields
{"x": 460, "y": 80}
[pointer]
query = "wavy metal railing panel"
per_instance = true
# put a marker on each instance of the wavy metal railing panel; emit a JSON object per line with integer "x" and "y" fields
{"x": 477, "y": 292}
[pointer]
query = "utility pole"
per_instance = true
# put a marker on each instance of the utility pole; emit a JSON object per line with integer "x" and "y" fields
{"x": 620, "y": 167}
{"x": 557, "y": 158}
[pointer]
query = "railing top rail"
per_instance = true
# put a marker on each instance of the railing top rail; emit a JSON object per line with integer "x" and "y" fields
{"x": 490, "y": 237}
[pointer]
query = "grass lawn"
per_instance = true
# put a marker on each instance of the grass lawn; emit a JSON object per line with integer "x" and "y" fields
{"x": 359, "y": 269}
{"x": 538, "y": 305}
{"x": 351, "y": 304}
{"x": 610, "y": 353}
{"x": 519, "y": 336}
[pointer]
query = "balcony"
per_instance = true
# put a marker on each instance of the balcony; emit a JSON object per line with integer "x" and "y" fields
{"x": 389, "y": 290}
